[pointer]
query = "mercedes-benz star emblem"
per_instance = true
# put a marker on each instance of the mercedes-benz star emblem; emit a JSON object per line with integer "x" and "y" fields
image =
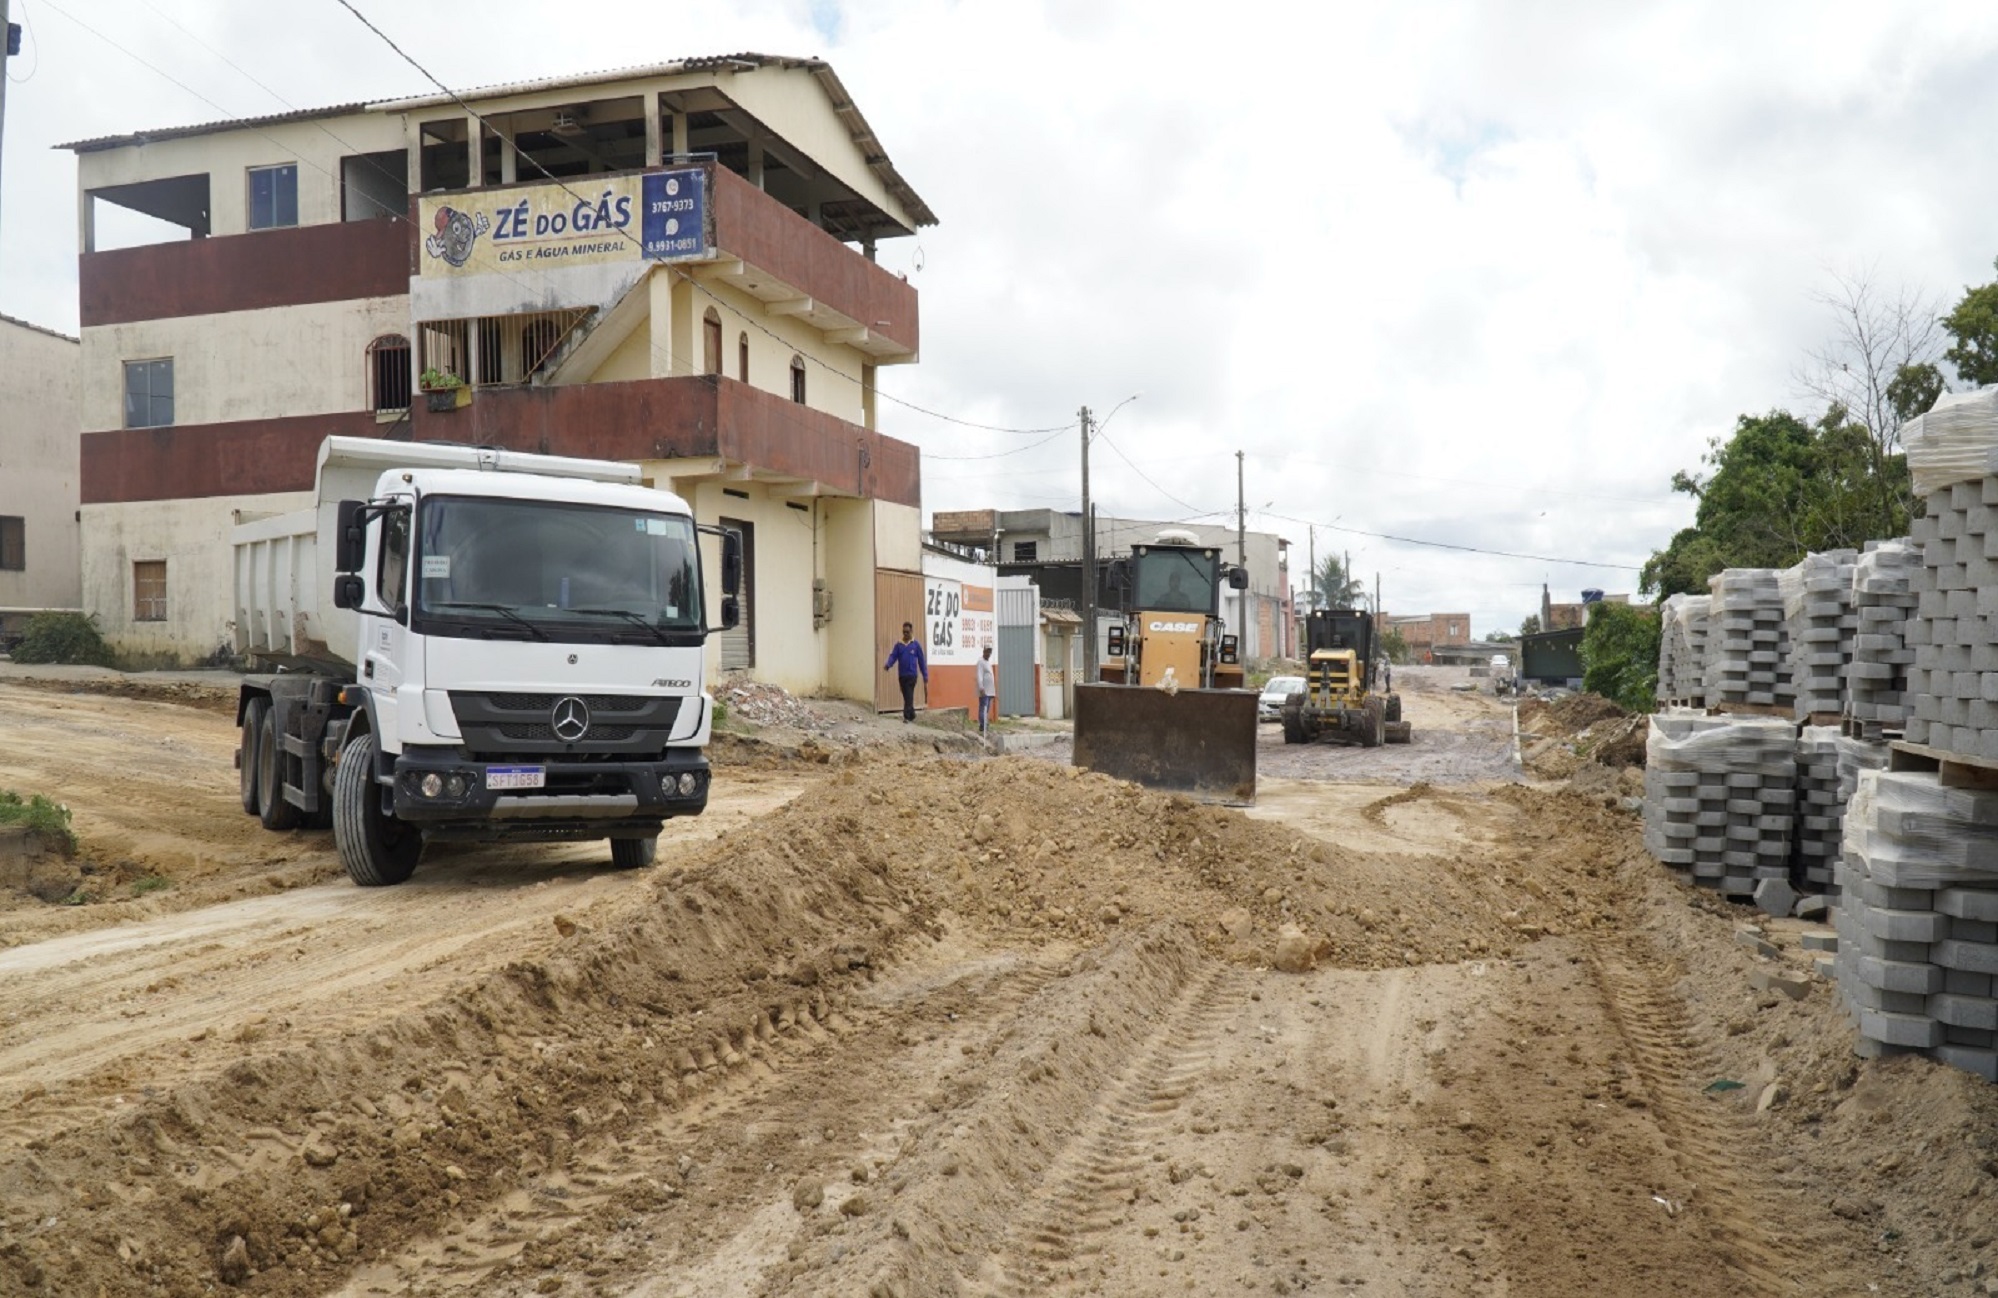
{"x": 570, "y": 719}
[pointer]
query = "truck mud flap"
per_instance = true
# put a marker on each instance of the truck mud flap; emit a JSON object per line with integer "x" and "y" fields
{"x": 1198, "y": 742}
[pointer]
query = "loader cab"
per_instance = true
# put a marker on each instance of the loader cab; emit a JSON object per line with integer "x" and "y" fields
{"x": 1169, "y": 592}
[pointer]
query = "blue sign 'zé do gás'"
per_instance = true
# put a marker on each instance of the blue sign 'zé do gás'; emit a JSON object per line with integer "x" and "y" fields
{"x": 675, "y": 214}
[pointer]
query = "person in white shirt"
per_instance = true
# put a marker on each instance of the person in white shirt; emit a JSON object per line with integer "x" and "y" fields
{"x": 988, "y": 689}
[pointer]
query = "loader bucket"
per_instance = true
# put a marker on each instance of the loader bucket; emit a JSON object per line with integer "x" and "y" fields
{"x": 1198, "y": 742}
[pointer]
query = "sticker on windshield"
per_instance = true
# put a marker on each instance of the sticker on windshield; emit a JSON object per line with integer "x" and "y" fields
{"x": 639, "y": 523}
{"x": 436, "y": 565}
{"x": 655, "y": 527}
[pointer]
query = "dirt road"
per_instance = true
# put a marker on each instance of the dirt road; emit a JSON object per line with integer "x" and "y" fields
{"x": 903, "y": 1025}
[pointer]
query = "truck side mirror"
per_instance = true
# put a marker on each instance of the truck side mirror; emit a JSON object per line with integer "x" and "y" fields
{"x": 731, "y": 573}
{"x": 731, "y": 613}
{"x": 350, "y": 549}
{"x": 348, "y": 591}
{"x": 1238, "y": 579}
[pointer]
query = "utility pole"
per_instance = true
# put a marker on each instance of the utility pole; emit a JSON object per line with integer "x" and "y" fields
{"x": 1088, "y": 562}
{"x": 1311, "y": 587}
{"x": 1241, "y": 518}
{"x": 6, "y": 40}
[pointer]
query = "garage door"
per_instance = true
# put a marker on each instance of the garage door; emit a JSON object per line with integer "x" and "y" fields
{"x": 898, "y": 598}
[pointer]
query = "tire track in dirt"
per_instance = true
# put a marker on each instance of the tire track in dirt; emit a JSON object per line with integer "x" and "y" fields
{"x": 1090, "y": 1183}
{"x": 1700, "y": 1137}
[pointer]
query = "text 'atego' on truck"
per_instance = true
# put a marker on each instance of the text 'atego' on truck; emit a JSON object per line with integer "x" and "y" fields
{"x": 476, "y": 646}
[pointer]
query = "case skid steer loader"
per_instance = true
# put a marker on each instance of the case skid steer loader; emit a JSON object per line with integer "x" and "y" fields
{"x": 1170, "y": 711}
{"x": 1345, "y": 695}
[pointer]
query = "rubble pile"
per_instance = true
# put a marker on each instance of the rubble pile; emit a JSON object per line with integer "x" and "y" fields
{"x": 1918, "y": 919}
{"x": 1720, "y": 797}
{"x": 1883, "y": 599}
{"x": 1819, "y": 623}
{"x": 1682, "y": 652}
{"x": 763, "y": 704}
{"x": 1748, "y": 651}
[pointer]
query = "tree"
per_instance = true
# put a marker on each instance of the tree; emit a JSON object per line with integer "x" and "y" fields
{"x": 1498, "y": 637}
{"x": 1914, "y": 389}
{"x": 1620, "y": 655}
{"x": 1780, "y": 488}
{"x": 1530, "y": 624}
{"x": 1395, "y": 645}
{"x": 1878, "y": 361}
{"x": 1333, "y": 587}
{"x": 1974, "y": 325}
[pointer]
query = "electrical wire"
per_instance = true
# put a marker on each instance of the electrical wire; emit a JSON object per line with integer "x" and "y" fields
{"x": 1451, "y": 545}
{"x": 697, "y": 285}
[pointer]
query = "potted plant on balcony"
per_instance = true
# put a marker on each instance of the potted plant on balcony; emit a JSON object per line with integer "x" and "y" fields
{"x": 443, "y": 390}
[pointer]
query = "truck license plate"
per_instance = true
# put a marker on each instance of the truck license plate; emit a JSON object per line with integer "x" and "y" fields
{"x": 516, "y": 777}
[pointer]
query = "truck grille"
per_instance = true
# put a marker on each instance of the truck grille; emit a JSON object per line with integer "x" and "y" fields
{"x": 505, "y": 724}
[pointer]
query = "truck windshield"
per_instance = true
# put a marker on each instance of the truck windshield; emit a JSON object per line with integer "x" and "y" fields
{"x": 1178, "y": 581}
{"x": 545, "y": 568}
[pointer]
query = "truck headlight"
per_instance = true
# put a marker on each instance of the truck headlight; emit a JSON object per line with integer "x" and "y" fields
{"x": 431, "y": 784}
{"x": 457, "y": 786}
{"x": 688, "y": 784}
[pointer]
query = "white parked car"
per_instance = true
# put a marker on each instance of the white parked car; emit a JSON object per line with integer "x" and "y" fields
{"x": 1270, "y": 706}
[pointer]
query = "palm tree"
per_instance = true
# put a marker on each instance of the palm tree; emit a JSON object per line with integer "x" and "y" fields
{"x": 1333, "y": 587}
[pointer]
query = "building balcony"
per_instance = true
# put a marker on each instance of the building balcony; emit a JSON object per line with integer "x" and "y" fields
{"x": 245, "y": 272}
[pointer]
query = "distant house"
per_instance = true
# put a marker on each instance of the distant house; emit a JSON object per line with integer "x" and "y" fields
{"x": 39, "y": 568}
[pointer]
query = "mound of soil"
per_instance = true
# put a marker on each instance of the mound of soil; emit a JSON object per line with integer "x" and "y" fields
{"x": 1568, "y": 715}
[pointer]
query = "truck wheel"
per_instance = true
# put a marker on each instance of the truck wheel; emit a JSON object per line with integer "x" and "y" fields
{"x": 634, "y": 853}
{"x": 272, "y": 809}
{"x": 246, "y": 755}
{"x": 1393, "y": 708}
{"x": 376, "y": 848}
{"x": 1293, "y": 724}
{"x": 1373, "y": 726}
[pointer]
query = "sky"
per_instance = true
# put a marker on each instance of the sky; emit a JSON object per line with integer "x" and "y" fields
{"x": 1483, "y": 274}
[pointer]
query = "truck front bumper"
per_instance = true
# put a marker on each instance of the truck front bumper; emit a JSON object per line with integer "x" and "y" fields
{"x": 449, "y": 795}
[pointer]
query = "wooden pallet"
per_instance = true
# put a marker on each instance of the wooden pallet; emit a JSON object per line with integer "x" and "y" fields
{"x": 1870, "y": 731}
{"x": 1781, "y": 711}
{"x": 1956, "y": 770}
{"x": 1824, "y": 719}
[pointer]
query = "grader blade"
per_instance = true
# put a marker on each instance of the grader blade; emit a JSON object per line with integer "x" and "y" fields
{"x": 1198, "y": 742}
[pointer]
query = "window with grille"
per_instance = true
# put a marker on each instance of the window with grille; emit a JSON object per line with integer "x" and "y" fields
{"x": 149, "y": 393}
{"x": 13, "y": 544}
{"x": 798, "y": 379}
{"x": 149, "y": 591}
{"x": 742, "y": 356}
{"x": 1026, "y": 551}
{"x": 711, "y": 344}
{"x": 388, "y": 372}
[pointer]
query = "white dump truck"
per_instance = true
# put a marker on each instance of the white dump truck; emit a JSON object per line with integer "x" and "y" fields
{"x": 475, "y": 645}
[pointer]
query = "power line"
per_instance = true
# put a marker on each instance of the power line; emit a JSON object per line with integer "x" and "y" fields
{"x": 1451, "y": 545}
{"x": 688, "y": 278}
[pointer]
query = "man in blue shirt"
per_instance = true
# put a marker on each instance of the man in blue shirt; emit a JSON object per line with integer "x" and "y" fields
{"x": 907, "y": 658}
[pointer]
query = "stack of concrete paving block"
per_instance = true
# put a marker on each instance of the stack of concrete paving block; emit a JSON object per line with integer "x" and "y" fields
{"x": 1682, "y": 649}
{"x": 1917, "y": 962}
{"x": 1883, "y": 599}
{"x": 1748, "y": 652}
{"x": 1819, "y": 624}
{"x": 1720, "y": 797}
{"x": 1952, "y": 458}
{"x": 1820, "y": 809}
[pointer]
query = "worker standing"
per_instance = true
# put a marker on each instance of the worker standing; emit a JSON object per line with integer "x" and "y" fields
{"x": 988, "y": 688}
{"x": 906, "y": 656}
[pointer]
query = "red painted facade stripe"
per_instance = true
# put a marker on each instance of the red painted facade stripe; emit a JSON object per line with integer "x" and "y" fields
{"x": 769, "y": 236}
{"x": 249, "y": 457}
{"x": 245, "y": 272}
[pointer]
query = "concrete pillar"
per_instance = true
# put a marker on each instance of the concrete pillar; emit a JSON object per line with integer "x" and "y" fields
{"x": 412, "y": 140}
{"x": 756, "y": 163}
{"x": 867, "y": 396}
{"x": 509, "y": 159}
{"x": 86, "y": 222}
{"x": 659, "y": 290}
{"x": 680, "y": 146}
{"x": 475, "y": 163}
{"x": 653, "y": 143}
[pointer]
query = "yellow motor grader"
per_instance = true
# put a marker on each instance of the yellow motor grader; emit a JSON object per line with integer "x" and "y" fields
{"x": 1345, "y": 695}
{"x": 1170, "y": 710}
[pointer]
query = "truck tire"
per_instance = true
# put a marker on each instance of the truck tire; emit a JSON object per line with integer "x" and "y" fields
{"x": 1293, "y": 722}
{"x": 272, "y": 809}
{"x": 634, "y": 853}
{"x": 376, "y": 848}
{"x": 246, "y": 755}
{"x": 1393, "y": 708}
{"x": 1373, "y": 728}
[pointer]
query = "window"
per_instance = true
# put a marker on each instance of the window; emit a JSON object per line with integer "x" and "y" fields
{"x": 149, "y": 591}
{"x": 149, "y": 393}
{"x": 798, "y": 380}
{"x": 711, "y": 336}
{"x": 388, "y": 372}
{"x": 539, "y": 338}
{"x": 1026, "y": 551}
{"x": 392, "y": 568}
{"x": 13, "y": 552}
{"x": 273, "y": 197}
{"x": 742, "y": 356}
